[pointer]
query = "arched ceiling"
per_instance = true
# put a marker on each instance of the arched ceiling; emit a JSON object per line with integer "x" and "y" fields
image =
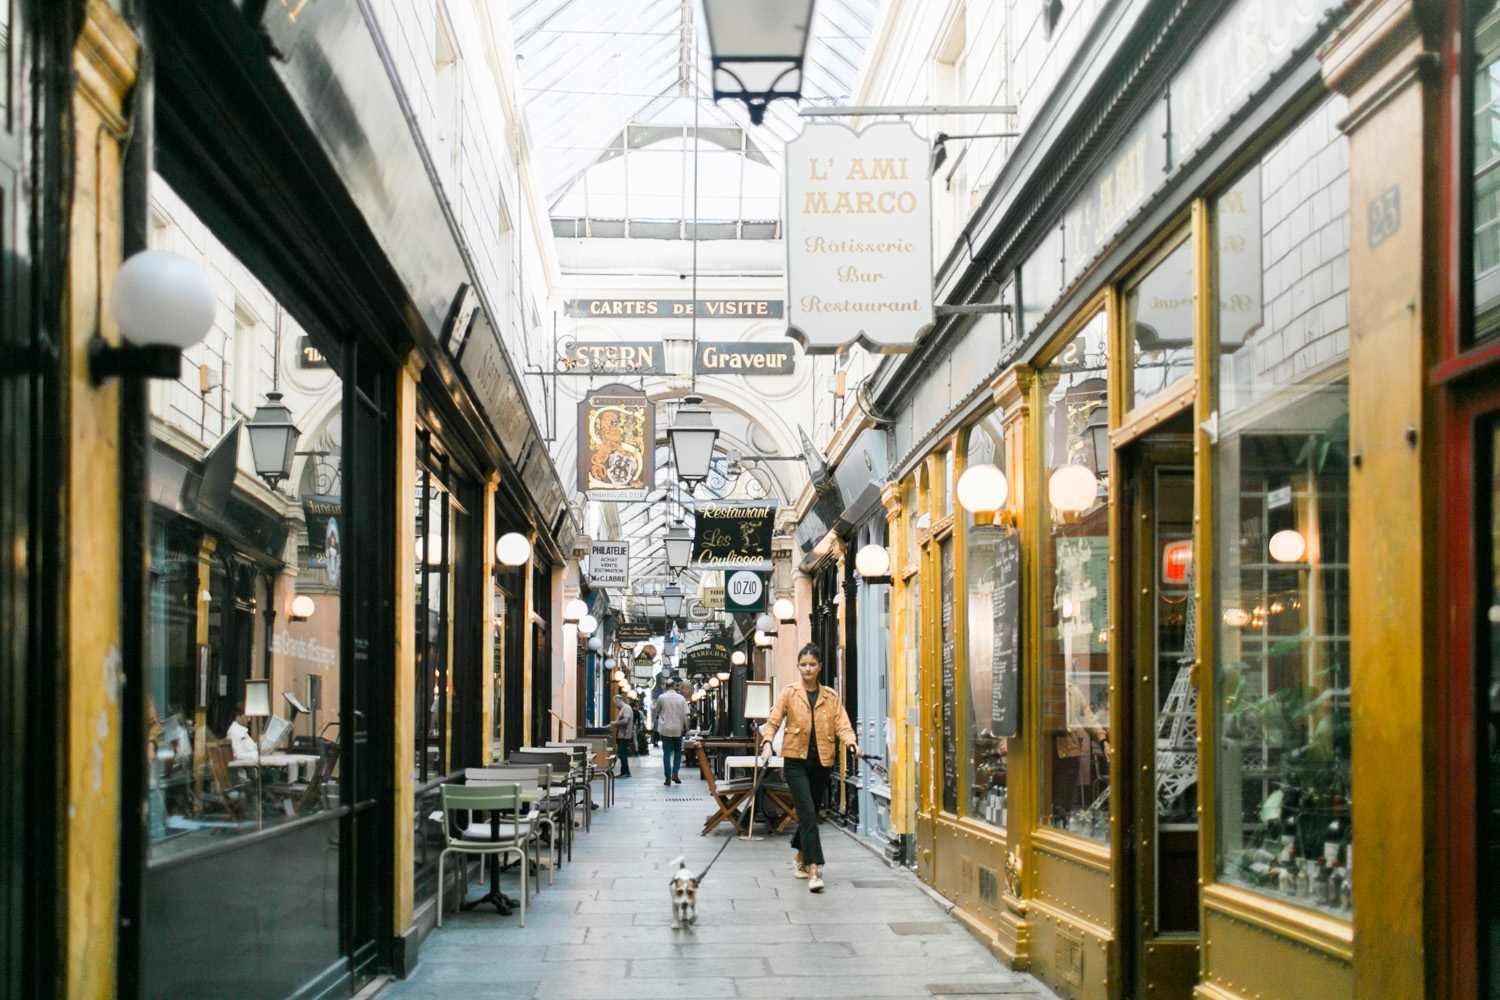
{"x": 591, "y": 67}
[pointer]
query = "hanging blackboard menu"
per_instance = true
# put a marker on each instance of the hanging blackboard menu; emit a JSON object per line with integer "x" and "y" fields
{"x": 950, "y": 681}
{"x": 1005, "y": 605}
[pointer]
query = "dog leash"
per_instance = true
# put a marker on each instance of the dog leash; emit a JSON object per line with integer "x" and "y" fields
{"x": 754, "y": 790}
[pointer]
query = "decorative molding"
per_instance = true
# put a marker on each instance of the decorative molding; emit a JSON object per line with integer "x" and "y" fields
{"x": 105, "y": 59}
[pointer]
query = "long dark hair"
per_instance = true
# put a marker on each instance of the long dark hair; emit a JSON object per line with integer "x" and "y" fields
{"x": 811, "y": 649}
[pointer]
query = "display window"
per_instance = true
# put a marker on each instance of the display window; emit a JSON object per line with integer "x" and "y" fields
{"x": 1077, "y": 752}
{"x": 1486, "y": 179}
{"x": 991, "y": 615}
{"x": 243, "y": 633}
{"x": 1281, "y": 521}
{"x": 1158, "y": 317}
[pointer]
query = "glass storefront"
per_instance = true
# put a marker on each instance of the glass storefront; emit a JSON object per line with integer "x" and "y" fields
{"x": 1486, "y": 181}
{"x": 1159, "y": 324}
{"x": 1076, "y": 752}
{"x": 244, "y": 633}
{"x": 1281, "y": 507}
{"x": 985, "y": 756}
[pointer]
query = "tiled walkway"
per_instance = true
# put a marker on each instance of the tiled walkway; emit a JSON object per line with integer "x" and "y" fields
{"x": 602, "y": 932}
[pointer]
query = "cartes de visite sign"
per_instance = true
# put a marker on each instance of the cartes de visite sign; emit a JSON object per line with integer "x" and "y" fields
{"x": 660, "y": 308}
{"x": 743, "y": 359}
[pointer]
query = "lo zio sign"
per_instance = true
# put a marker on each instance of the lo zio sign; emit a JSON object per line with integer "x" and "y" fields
{"x": 858, "y": 238}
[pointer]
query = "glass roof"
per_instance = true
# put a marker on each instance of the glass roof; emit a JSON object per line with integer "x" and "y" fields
{"x": 594, "y": 72}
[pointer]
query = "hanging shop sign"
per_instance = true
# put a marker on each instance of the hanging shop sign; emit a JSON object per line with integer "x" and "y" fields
{"x": 609, "y": 565}
{"x": 617, "y": 428}
{"x": 613, "y": 358}
{"x": 713, "y": 598}
{"x": 743, "y": 359}
{"x": 733, "y": 535}
{"x": 1005, "y": 606}
{"x": 633, "y": 632}
{"x": 309, "y": 356}
{"x": 745, "y": 590}
{"x": 709, "y": 658}
{"x": 322, "y": 514}
{"x": 667, "y": 308}
{"x": 858, "y": 238}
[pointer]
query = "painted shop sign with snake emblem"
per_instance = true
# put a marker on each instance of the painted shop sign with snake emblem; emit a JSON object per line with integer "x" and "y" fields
{"x": 617, "y": 425}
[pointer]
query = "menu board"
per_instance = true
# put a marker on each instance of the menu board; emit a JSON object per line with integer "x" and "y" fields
{"x": 950, "y": 681}
{"x": 1005, "y": 605}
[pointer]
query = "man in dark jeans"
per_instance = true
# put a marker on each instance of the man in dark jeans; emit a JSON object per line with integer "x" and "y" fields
{"x": 671, "y": 723}
{"x": 624, "y": 729}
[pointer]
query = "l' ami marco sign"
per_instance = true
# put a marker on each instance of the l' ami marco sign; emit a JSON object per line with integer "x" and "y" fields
{"x": 858, "y": 237}
{"x": 660, "y": 308}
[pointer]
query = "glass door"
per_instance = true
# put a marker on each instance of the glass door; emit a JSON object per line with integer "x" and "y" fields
{"x": 1160, "y": 815}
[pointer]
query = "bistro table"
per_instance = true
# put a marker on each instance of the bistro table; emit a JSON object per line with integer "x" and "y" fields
{"x": 498, "y": 899}
{"x": 291, "y": 761}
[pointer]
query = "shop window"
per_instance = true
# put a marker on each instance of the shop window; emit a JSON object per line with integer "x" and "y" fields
{"x": 434, "y": 534}
{"x": 991, "y": 587}
{"x": 1281, "y": 525}
{"x": 243, "y": 635}
{"x": 1076, "y": 751}
{"x": 1159, "y": 324}
{"x": 948, "y": 673}
{"x": 1486, "y": 184}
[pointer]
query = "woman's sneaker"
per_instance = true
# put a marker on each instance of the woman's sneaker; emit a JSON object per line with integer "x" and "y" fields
{"x": 801, "y": 870}
{"x": 815, "y": 881}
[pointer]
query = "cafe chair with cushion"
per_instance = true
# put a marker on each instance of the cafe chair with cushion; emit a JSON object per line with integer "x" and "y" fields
{"x": 582, "y": 776}
{"x": 729, "y": 795}
{"x": 468, "y": 833}
{"x": 601, "y": 767}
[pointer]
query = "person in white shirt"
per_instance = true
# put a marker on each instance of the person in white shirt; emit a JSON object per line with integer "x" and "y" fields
{"x": 671, "y": 725}
{"x": 240, "y": 743}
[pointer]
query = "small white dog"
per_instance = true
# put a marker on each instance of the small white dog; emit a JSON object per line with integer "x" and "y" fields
{"x": 684, "y": 888}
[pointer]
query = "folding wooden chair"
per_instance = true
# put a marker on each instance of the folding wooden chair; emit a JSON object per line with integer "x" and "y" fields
{"x": 729, "y": 795}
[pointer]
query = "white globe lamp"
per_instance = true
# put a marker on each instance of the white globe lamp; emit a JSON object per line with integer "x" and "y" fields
{"x": 982, "y": 489}
{"x": 1288, "y": 546}
{"x": 872, "y": 561}
{"x": 1072, "y": 488}
{"x": 513, "y": 549}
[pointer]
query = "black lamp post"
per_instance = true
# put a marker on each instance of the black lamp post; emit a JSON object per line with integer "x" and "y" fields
{"x": 692, "y": 436}
{"x": 757, "y": 50}
{"x": 1097, "y": 430}
{"x": 678, "y": 542}
{"x": 273, "y": 439}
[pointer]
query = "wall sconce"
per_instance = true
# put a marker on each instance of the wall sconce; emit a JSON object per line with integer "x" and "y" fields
{"x": 302, "y": 608}
{"x": 982, "y": 491}
{"x": 737, "y": 657}
{"x": 767, "y": 623}
{"x": 784, "y": 610}
{"x": 873, "y": 563}
{"x": 513, "y": 549}
{"x": 714, "y": 682}
{"x": 595, "y": 644}
{"x": 163, "y": 304}
{"x": 1236, "y": 617}
{"x": 588, "y": 625}
{"x": 574, "y": 610}
{"x": 1072, "y": 489}
{"x": 609, "y": 663}
{"x": 1288, "y": 546}
{"x": 763, "y": 639}
{"x": 722, "y": 675}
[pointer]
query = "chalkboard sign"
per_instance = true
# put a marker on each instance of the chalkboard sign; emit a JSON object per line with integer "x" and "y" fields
{"x": 633, "y": 631}
{"x": 1005, "y": 605}
{"x": 950, "y": 681}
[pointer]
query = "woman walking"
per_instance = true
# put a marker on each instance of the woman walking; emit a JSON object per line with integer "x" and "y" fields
{"x": 814, "y": 718}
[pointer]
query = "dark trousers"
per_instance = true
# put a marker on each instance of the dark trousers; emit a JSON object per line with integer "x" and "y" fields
{"x": 622, "y": 750}
{"x": 808, "y": 780}
{"x": 671, "y": 755}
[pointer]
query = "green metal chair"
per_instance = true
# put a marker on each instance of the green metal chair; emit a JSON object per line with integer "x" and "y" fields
{"x": 479, "y": 836}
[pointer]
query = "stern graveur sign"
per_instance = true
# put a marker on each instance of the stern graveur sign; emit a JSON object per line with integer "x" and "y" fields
{"x": 858, "y": 238}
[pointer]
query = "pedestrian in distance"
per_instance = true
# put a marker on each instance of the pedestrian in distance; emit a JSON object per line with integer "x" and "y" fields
{"x": 815, "y": 719}
{"x": 671, "y": 725}
{"x": 623, "y": 728}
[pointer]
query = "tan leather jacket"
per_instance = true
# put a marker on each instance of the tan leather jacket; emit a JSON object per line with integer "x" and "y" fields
{"x": 791, "y": 707}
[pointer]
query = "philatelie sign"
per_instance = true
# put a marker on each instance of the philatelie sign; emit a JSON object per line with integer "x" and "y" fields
{"x": 743, "y": 359}
{"x": 858, "y": 237}
{"x": 609, "y": 565}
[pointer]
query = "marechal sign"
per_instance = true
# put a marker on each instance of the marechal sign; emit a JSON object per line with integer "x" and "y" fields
{"x": 743, "y": 359}
{"x": 858, "y": 238}
{"x": 733, "y": 534}
{"x": 609, "y": 565}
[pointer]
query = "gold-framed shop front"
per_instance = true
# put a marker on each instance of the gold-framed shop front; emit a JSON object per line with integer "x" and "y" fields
{"x": 1063, "y": 905}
